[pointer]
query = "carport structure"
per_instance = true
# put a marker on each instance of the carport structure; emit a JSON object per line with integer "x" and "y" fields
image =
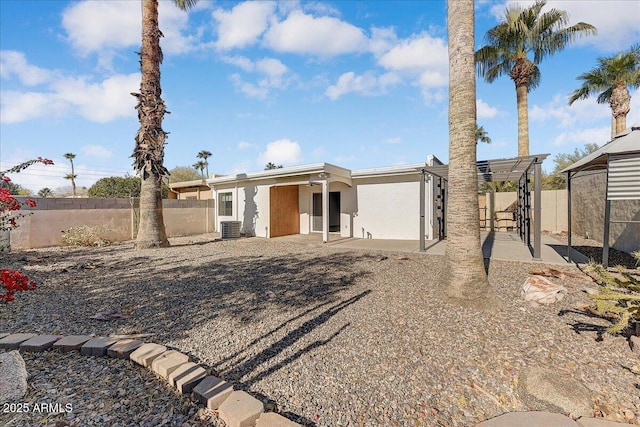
{"x": 517, "y": 169}
{"x": 620, "y": 158}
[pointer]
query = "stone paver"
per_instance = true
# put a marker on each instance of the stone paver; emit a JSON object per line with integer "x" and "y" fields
{"x": 240, "y": 409}
{"x": 598, "y": 422}
{"x": 186, "y": 376}
{"x": 168, "y": 362}
{"x": 71, "y": 342}
{"x": 97, "y": 346}
{"x": 212, "y": 391}
{"x": 123, "y": 348}
{"x": 13, "y": 341}
{"x": 39, "y": 343}
{"x": 146, "y": 353}
{"x": 271, "y": 419}
{"x": 526, "y": 419}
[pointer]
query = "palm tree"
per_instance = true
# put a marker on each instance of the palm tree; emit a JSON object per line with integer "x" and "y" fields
{"x": 525, "y": 31}
{"x": 204, "y": 155}
{"x": 272, "y": 165}
{"x": 45, "y": 192}
{"x": 482, "y": 135}
{"x": 200, "y": 165}
{"x": 72, "y": 176}
{"x": 464, "y": 263}
{"x": 612, "y": 78}
{"x": 148, "y": 153}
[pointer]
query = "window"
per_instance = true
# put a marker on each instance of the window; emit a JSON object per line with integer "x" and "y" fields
{"x": 225, "y": 204}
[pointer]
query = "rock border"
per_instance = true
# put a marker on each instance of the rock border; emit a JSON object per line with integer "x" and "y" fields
{"x": 235, "y": 408}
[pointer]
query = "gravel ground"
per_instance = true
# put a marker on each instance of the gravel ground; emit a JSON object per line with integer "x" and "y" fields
{"x": 324, "y": 336}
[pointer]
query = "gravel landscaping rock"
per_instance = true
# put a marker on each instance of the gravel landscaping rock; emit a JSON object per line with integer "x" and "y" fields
{"x": 320, "y": 335}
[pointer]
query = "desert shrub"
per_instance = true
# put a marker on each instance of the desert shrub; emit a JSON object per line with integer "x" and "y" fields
{"x": 618, "y": 294}
{"x": 84, "y": 236}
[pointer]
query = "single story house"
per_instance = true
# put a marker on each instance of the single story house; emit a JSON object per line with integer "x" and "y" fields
{"x": 379, "y": 203}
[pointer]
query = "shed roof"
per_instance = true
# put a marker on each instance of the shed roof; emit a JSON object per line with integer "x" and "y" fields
{"x": 626, "y": 142}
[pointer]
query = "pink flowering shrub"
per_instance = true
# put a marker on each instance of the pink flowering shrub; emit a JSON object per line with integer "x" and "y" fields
{"x": 13, "y": 281}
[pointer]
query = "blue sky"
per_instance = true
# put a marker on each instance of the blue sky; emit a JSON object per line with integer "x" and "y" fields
{"x": 357, "y": 84}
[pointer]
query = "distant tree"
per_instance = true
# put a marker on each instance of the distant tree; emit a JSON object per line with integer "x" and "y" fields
{"x": 183, "y": 173}
{"x": 200, "y": 165}
{"x": 555, "y": 181}
{"x": 116, "y": 187}
{"x": 204, "y": 155}
{"x": 15, "y": 189}
{"x": 482, "y": 135}
{"x": 612, "y": 78}
{"x": 45, "y": 192}
{"x": 71, "y": 176}
{"x": 522, "y": 32}
{"x": 271, "y": 165}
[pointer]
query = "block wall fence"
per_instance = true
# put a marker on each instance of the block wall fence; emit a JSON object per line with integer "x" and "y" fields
{"x": 118, "y": 218}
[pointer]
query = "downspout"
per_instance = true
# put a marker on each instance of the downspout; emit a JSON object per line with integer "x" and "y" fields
{"x": 569, "y": 216}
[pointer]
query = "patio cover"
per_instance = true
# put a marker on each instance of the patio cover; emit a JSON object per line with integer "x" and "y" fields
{"x": 620, "y": 157}
{"x": 510, "y": 169}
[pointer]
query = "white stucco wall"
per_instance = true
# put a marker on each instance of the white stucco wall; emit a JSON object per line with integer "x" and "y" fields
{"x": 388, "y": 208}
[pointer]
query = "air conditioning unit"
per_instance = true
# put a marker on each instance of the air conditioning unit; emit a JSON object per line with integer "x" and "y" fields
{"x": 230, "y": 229}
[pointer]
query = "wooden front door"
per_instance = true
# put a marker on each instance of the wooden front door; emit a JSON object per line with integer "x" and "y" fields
{"x": 284, "y": 215}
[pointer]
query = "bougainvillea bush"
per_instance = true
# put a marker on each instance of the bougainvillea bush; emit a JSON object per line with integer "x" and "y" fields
{"x": 13, "y": 281}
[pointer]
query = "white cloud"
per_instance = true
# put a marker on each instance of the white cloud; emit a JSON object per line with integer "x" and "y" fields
{"x": 485, "y": 111}
{"x": 582, "y": 111}
{"x": 598, "y": 135}
{"x": 282, "y": 151}
{"x": 382, "y": 40}
{"x": 14, "y": 63}
{"x": 243, "y": 145}
{"x": 98, "y": 102}
{"x": 240, "y": 61}
{"x": 615, "y": 20}
{"x": 242, "y": 25}
{"x": 95, "y": 150}
{"x": 418, "y": 55}
{"x": 104, "y": 27}
{"x": 365, "y": 84}
{"x": 322, "y": 36}
{"x": 273, "y": 75}
{"x": 394, "y": 140}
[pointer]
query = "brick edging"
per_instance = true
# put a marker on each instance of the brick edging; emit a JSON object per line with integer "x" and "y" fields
{"x": 236, "y": 408}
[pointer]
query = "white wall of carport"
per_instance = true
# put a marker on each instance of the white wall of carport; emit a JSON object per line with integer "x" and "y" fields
{"x": 388, "y": 207}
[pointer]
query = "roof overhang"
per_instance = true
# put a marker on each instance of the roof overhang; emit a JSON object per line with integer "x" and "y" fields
{"x": 288, "y": 176}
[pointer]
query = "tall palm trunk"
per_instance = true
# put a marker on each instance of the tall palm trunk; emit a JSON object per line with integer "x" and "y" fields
{"x": 620, "y": 107}
{"x": 73, "y": 179}
{"x": 520, "y": 74}
{"x": 149, "y": 150}
{"x": 467, "y": 279}
{"x": 523, "y": 119}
